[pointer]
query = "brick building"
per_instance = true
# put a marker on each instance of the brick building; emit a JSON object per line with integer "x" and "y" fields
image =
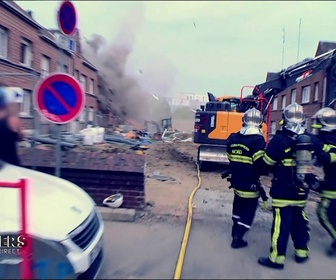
{"x": 312, "y": 92}
{"x": 28, "y": 48}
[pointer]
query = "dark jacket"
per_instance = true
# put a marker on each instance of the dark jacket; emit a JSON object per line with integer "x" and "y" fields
{"x": 245, "y": 153}
{"x": 328, "y": 159}
{"x": 280, "y": 159}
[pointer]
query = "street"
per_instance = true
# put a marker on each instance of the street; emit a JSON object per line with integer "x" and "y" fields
{"x": 150, "y": 249}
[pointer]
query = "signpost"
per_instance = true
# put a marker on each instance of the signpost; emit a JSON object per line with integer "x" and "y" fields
{"x": 60, "y": 98}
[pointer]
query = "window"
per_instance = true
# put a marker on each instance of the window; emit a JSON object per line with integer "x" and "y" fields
{"x": 90, "y": 115}
{"x": 77, "y": 74}
{"x": 283, "y": 102}
{"x": 82, "y": 115}
{"x": 203, "y": 98}
{"x": 91, "y": 86}
{"x": 26, "y": 53}
{"x": 83, "y": 82}
{"x": 45, "y": 66}
{"x": 66, "y": 69}
{"x": 275, "y": 103}
{"x": 273, "y": 127}
{"x": 3, "y": 42}
{"x": 316, "y": 92}
{"x": 25, "y": 106}
{"x": 293, "y": 96}
{"x": 305, "y": 94}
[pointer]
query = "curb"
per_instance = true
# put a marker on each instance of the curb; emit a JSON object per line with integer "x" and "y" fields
{"x": 117, "y": 215}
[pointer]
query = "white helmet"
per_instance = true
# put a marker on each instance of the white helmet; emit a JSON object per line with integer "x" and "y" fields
{"x": 114, "y": 201}
{"x": 294, "y": 119}
{"x": 252, "y": 121}
{"x": 324, "y": 119}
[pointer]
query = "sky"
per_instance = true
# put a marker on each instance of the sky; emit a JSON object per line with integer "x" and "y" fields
{"x": 204, "y": 46}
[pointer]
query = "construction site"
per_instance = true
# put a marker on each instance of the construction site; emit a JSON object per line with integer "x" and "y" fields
{"x": 121, "y": 177}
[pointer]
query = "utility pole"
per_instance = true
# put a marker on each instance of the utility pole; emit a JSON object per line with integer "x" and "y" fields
{"x": 283, "y": 48}
{"x": 298, "y": 51}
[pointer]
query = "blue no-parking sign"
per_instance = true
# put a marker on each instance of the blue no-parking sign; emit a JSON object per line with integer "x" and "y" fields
{"x": 59, "y": 98}
{"x": 67, "y": 18}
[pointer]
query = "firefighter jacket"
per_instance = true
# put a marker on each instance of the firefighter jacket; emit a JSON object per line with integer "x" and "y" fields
{"x": 279, "y": 158}
{"x": 245, "y": 153}
{"x": 328, "y": 160}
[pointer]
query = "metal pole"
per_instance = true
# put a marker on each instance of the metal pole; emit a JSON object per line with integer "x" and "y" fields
{"x": 298, "y": 51}
{"x": 35, "y": 131}
{"x": 58, "y": 130}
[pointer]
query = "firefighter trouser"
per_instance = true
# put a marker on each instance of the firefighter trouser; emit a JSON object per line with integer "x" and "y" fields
{"x": 326, "y": 212}
{"x": 289, "y": 220}
{"x": 243, "y": 213}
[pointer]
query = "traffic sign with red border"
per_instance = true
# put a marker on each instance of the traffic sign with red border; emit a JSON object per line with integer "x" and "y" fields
{"x": 59, "y": 98}
{"x": 67, "y": 18}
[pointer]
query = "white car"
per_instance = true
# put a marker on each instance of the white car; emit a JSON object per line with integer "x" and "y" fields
{"x": 60, "y": 213}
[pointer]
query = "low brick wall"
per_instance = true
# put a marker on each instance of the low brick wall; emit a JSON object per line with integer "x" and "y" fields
{"x": 100, "y": 175}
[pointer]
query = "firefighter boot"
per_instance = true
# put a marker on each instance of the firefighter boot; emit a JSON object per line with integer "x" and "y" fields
{"x": 301, "y": 259}
{"x": 332, "y": 250}
{"x": 237, "y": 238}
{"x": 267, "y": 262}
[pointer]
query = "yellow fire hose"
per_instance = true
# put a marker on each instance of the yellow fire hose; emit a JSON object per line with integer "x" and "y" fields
{"x": 179, "y": 265}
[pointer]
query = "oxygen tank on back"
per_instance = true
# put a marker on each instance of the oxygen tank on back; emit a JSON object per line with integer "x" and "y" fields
{"x": 304, "y": 157}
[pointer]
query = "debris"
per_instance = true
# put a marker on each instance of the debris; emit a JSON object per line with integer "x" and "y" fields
{"x": 114, "y": 201}
{"x": 157, "y": 176}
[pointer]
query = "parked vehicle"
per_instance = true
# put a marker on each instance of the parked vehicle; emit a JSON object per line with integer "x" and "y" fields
{"x": 61, "y": 215}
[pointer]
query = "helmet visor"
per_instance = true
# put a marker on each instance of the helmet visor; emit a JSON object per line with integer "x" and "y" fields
{"x": 293, "y": 114}
{"x": 328, "y": 119}
{"x": 252, "y": 117}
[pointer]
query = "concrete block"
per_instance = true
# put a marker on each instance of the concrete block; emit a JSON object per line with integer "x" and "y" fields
{"x": 118, "y": 214}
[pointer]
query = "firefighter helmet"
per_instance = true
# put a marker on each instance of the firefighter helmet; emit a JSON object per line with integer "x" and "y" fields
{"x": 324, "y": 119}
{"x": 252, "y": 121}
{"x": 293, "y": 118}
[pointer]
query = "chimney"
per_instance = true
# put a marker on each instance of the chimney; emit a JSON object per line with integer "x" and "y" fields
{"x": 30, "y": 13}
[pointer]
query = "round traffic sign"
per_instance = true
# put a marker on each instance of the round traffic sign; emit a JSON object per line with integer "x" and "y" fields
{"x": 59, "y": 98}
{"x": 67, "y": 18}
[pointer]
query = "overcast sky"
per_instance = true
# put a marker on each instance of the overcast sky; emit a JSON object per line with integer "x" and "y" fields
{"x": 230, "y": 45}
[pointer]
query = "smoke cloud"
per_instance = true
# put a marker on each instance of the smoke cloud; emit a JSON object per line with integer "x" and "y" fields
{"x": 126, "y": 96}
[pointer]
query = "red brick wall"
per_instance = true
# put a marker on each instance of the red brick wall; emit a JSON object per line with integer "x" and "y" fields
{"x": 310, "y": 108}
{"x": 19, "y": 29}
{"x": 99, "y": 175}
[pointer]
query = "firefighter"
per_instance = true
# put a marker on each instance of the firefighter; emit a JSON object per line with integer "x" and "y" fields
{"x": 289, "y": 194}
{"x": 245, "y": 150}
{"x": 325, "y": 122}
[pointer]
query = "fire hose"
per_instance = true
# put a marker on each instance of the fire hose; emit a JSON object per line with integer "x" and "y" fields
{"x": 180, "y": 261}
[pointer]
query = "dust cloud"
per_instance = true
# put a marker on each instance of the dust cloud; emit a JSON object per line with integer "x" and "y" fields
{"x": 124, "y": 95}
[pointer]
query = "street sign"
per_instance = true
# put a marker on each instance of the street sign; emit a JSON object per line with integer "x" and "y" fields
{"x": 66, "y": 43}
{"x": 59, "y": 98}
{"x": 67, "y": 18}
{"x": 13, "y": 94}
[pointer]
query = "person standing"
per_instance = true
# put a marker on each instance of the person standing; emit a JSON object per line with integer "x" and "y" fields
{"x": 289, "y": 195}
{"x": 10, "y": 132}
{"x": 245, "y": 151}
{"x": 324, "y": 121}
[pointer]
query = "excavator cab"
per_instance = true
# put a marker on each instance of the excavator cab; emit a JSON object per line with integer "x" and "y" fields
{"x": 216, "y": 121}
{"x": 166, "y": 124}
